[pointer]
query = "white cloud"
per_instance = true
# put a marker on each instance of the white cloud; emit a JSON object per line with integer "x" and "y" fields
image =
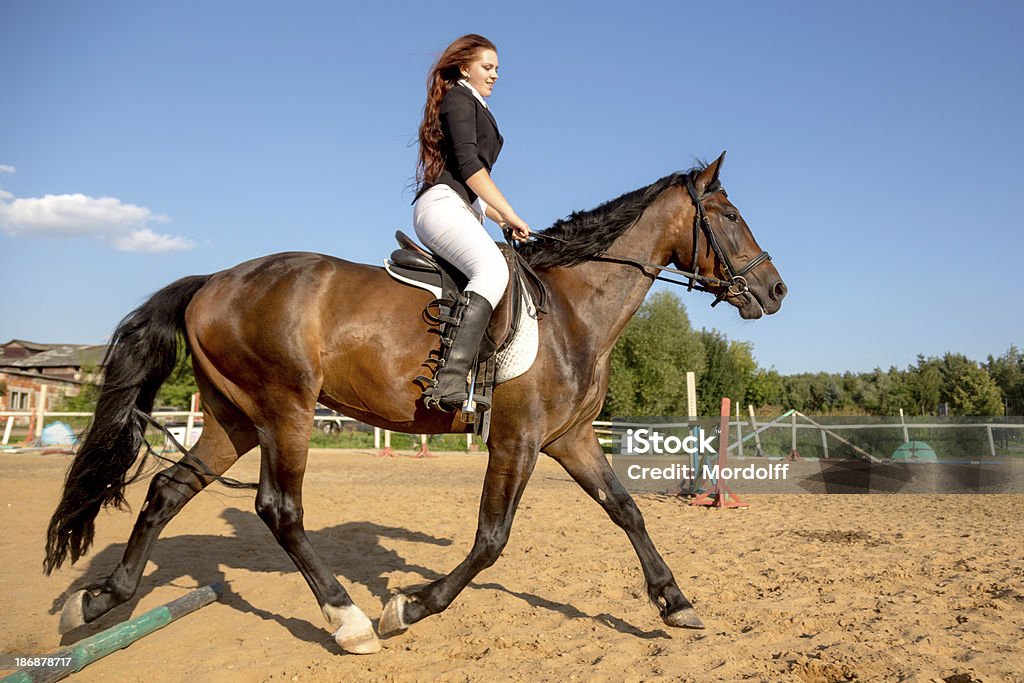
{"x": 147, "y": 240}
{"x": 123, "y": 226}
{"x": 4, "y": 168}
{"x": 72, "y": 214}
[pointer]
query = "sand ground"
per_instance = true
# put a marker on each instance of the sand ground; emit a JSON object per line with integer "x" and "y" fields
{"x": 795, "y": 588}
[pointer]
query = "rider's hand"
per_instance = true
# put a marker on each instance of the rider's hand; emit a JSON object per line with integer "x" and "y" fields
{"x": 518, "y": 227}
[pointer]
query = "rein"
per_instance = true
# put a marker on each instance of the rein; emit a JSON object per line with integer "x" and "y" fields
{"x": 734, "y": 286}
{"x": 199, "y": 471}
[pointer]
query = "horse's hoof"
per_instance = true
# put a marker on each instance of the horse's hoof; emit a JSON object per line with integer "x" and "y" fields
{"x": 684, "y": 618}
{"x": 357, "y": 642}
{"x": 73, "y": 614}
{"x": 391, "y": 621}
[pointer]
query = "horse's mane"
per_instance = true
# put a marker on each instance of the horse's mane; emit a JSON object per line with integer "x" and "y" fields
{"x": 586, "y": 233}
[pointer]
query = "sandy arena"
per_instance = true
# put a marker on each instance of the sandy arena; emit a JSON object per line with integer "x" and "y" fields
{"x": 796, "y": 588}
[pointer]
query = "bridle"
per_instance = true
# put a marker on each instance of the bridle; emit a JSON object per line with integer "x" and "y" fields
{"x": 735, "y": 285}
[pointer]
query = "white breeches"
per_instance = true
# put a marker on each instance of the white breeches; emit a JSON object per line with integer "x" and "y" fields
{"x": 455, "y": 232}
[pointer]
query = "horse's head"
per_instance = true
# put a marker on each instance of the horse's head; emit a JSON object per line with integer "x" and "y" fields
{"x": 717, "y": 243}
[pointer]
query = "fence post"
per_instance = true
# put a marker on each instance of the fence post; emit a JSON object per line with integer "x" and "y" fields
{"x": 376, "y": 438}
{"x": 190, "y": 423}
{"x": 691, "y": 394}
{"x": 991, "y": 441}
{"x": 7, "y": 429}
{"x": 757, "y": 434}
{"x": 794, "y": 454}
{"x": 792, "y": 431}
{"x": 739, "y": 431}
{"x": 691, "y": 414}
{"x": 41, "y": 412}
{"x": 824, "y": 444}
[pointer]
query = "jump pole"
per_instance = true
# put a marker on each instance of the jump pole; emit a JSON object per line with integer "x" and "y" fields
{"x": 721, "y": 496}
{"x": 424, "y": 452}
{"x": 693, "y": 487}
{"x": 794, "y": 454}
{"x": 76, "y": 657}
{"x": 387, "y": 452}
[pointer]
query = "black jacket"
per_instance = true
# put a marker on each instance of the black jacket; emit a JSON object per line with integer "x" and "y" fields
{"x": 470, "y": 141}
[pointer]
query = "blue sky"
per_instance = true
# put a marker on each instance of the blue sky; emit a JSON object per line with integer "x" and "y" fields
{"x": 874, "y": 148}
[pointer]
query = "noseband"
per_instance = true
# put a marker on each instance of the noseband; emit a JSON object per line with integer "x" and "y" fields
{"x": 735, "y": 285}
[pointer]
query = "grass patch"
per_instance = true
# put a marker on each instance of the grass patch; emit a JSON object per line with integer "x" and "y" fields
{"x": 399, "y": 442}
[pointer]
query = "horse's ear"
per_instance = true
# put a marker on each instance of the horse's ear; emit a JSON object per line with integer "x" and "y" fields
{"x": 709, "y": 176}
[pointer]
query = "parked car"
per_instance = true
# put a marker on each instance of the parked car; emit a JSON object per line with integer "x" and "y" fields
{"x": 327, "y": 420}
{"x": 178, "y": 426}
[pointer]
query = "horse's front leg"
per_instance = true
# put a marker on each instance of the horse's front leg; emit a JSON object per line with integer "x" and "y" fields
{"x": 508, "y": 470}
{"x": 579, "y": 452}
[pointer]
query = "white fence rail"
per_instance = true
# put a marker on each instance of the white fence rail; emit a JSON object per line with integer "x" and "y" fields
{"x": 829, "y": 436}
{"x": 184, "y": 425}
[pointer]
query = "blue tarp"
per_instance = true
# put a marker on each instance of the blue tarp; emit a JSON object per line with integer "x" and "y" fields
{"x": 57, "y": 434}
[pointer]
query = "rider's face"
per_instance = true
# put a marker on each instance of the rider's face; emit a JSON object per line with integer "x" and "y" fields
{"x": 482, "y": 72}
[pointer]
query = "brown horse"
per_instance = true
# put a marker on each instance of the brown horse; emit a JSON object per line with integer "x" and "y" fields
{"x": 272, "y": 337}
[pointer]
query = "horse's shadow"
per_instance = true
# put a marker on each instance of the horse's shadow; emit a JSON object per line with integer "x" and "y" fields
{"x": 200, "y": 558}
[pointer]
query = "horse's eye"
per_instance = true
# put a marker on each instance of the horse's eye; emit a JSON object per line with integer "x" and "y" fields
{"x": 733, "y": 217}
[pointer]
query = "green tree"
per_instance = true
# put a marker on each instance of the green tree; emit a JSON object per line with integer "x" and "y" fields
{"x": 177, "y": 390}
{"x": 85, "y": 400}
{"x": 967, "y": 388}
{"x": 729, "y": 369}
{"x": 766, "y": 388}
{"x": 924, "y": 384}
{"x": 832, "y": 396}
{"x": 886, "y": 392}
{"x": 651, "y": 358}
{"x": 1008, "y": 373}
{"x": 796, "y": 392}
{"x": 859, "y": 389}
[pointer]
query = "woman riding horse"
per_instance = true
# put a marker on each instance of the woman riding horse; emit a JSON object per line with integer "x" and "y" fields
{"x": 273, "y": 336}
{"x": 459, "y": 143}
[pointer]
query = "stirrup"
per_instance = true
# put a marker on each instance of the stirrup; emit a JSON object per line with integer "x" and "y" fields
{"x": 469, "y": 403}
{"x": 459, "y": 401}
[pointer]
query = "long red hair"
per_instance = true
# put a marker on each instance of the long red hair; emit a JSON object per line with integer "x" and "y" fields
{"x": 445, "y": 73}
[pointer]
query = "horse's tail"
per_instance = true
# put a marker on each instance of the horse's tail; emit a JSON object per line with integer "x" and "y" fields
{"x": 142, "y": 354}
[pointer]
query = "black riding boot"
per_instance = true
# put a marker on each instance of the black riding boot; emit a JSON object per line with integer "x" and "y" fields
{"x": 450, "y": 387}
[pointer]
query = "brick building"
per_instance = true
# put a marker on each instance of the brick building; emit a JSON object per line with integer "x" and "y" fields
{"x": 26, "y": 367}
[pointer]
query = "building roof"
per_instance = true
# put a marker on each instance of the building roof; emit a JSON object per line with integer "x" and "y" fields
{"x": 60, "y": 356}
{"x": 30, "y": 346}
{"x": 6, "y": 372}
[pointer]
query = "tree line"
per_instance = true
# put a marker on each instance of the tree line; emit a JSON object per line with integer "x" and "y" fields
{"x": 650, "y": 361}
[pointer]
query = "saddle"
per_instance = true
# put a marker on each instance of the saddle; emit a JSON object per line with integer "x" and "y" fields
{"x": 413, "y": 265}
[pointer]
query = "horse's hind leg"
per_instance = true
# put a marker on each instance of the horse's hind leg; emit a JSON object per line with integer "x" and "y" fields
{"x": 285, "y": 445}
{"x": 579, "y": 452}
{"x": 227, "y": 434}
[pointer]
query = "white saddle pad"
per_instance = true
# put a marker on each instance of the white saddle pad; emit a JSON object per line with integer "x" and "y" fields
{"x": 519, "y": 355}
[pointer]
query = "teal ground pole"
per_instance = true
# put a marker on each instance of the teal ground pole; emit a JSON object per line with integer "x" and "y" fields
{"x": 73, "y": 659}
